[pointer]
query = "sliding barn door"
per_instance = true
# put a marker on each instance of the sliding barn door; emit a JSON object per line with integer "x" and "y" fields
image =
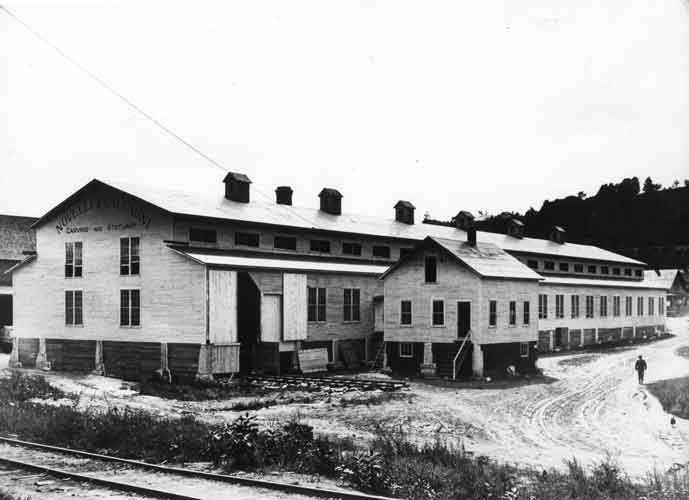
{"x": 294, "y": 306}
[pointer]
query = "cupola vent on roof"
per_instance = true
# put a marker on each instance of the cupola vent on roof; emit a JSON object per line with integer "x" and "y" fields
{"x": 283, "y": 195}
{"x": 331, "y": 201}
{"x": 237, "y": 187}
{"x": 557, "y": 235}
{"x": 464, "y": 220}
{"x": 404, "y": 212}
{"x": 515, "y": 228}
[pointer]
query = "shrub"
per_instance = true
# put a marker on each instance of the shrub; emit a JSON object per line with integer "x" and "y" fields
{"x": 366, "y": 471}
{"x": 21, "y": 387}
{"x": 235, "y": 444}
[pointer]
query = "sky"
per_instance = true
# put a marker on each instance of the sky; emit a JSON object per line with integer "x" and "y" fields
{"x": 487, "y": 105}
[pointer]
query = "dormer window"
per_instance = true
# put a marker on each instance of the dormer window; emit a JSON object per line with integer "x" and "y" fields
{"x": 627, "y": 271}
{"x": 616, "y": 271}
{"x": 331, "y": 201}
{"x": 591, "y": 269}
{"x": 404, "y": 212}
{"x": 203, "y": 235}
{"x": 533, "y": 264}
{"x": 578, "y": 268}
{"x": 431, "y": 269}
{"x": 564, "y": 266}
{"x": 351, "y": 248}
{"x": 549, "y": 265}
{"x": 604, "y": 270}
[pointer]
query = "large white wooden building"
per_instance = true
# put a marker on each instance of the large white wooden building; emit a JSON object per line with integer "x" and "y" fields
{"x": 127, "y": 280}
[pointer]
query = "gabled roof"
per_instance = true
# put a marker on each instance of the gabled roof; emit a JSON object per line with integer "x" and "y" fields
{"x": 215, "y": 205}
{"x": 237, "y": 177}
{"x": 16, "y": 237}
{"x": 484, "y": 259}
{"x": 663, "y": 278}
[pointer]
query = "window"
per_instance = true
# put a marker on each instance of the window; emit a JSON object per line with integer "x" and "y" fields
{"x": 578, "y": 268}
{"x": 575, "y": 306}
{"x": 129, "y": 256}
{"x": 640, "y": 306}
{"x": 322, "y": 246}
{"x": 661, "y": 306}
{"x": 352, "y": 308}
{"x": 406, "y": 350}
{"x": 589, "y": 306}
{"x": 542, "y": 306}
{"x": 74, "y": 307}
{"x": 638, "y": 273}
{"x": 559, "y": 306}
{"x": 351, "y": 248}
{"x": 73, "y": 259}
{"x": 431, "y": 269}
{"x": 650, "y": 306}
{"x": 603, "y": 306}
{"x": 616, "y": 271}
{"x": 627, "y": 271}
{"x": 492, "y": 313}
{"x": 628, "y": 306}
{"x": 130, "y": 308}
{"x": 405, "y": 312}
{"x": 405, "y": 251}
{"x": 549, "y": 265}
{"x": 533, "y": 264}
{"x": 591, "y": 269}
{"x": 527, "y": 312}
{"x": 203, "y": 235}
{"x": 604, "y": 270}
{"x": 564, "y": 266}
{"x": 246, "y": 239}
{"x": 524, "y": 349}
{"x": 438, "y": 313}
{"x": 616, "y": 306}
{"x": 382, "y": 251}
{"x": 513, "y": 313}
{"x": 285, "y": 242}
{"x": 316, "y": 304}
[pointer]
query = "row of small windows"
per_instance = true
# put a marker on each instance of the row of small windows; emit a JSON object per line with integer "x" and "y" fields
{"x": 406, "y": 349}
{"x": 438, "y": 313}
{"x": 603, "y": 306}
{"x": 282, "y": 242}
{"x": 129, "y": 258}
{"x": 130, "y": 307}
{"x": 549, "y": 265}
{"x": 317, "y": 304}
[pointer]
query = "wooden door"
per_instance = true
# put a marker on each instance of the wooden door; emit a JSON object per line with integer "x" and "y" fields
{"x": 463, "y": 319}
{"x": 271, "y": 318}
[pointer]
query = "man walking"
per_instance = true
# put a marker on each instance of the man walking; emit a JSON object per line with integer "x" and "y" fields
{"x": 640, "y": 367}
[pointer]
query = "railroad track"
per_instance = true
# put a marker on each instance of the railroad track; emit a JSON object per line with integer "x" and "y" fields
{"x": 385, "y": 385}
{"x": 167, "y": 476}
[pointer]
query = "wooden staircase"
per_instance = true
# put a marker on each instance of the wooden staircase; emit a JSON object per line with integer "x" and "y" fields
{"x": 376, "y": 363}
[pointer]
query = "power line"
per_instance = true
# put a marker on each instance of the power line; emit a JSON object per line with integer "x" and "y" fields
{"x": 130, "y": 103}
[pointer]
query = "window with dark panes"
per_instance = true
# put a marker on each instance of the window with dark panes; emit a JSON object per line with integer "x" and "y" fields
{"x": 650, "y": 306}
{"x": 381, "y": 251}
{"x": 405, "y": 251}
{"x": 564, "y": 266}
{"x": 591, "y": 269}
{"x": 350, "y": 248}
{"x": 559, "y": 306}
{"x": 130, "y": 307}
{"x": 316, "y": 304}
{"x": 438, "y": 313}
{"x": 640, "y": 306}
{"x": 74, "y": 307}
{"x": 431, "y": 269}
{"x": 574, "y": 306}
{"x": 203, "y": 235}
{"x": 285, "y": 242}
{"x": 406, "y": 350}
{"x": 129, "y": 256}
{"x": 322, "y": 246}
{"x": 533, "y": 264}
{"x": 352, "y": 304}
{"x": 542, "y": 306}
{"x": 603, "y": 306}
{"x": 628, "y": 306}
{"x": 246, "y": 239}
{"x": 74, "y": 259}
{"x": 527, "y": 312}
{"x": 616, "y": 305}
{"x": 513, "y": 313}
{"x": 661, "y": 306}
{"x": 638, "y": 273}
{"x": 616, "y": 271}
{"x": 549, "y": 265}
{"x": 604, "y": 270}
{"x": 627, "y": 271}
{"x": 589, "y": 306}
{"x": 578, "y": 268}
{"x": 492, "y": 313}
{"x": 405, "y": 312}
{"x": 524, "y": 349}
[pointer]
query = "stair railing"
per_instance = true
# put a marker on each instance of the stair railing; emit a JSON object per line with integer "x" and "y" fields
{"x": 461, "y": 348}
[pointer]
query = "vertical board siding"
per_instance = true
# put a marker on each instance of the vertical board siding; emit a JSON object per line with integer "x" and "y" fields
{"x": 271, "y": 318}
{"x": 28, "y": 350}
{"x": 131, "y": 360}
{"x": 222, "y": 304}
{"x": 183, "y": 361}
{"x": 294, "y": 324}
{"x": 225, "y": 358}
{"x": 71, "y": 355}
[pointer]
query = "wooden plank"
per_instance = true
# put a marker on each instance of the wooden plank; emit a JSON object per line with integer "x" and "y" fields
{"x": 313, "y": 360}
{"x": 222, "y": 306}
{"x": 294, "y": 307}
{"x": 225, "y": 358}
{"x": 271, "y": 318}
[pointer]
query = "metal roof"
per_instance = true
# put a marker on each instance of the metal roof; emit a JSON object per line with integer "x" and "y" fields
{"x": 282, "y": 264}
{"x": 215, "y": 205}
{"x": 605, "y": 283}
{"x": 21, "y": 263}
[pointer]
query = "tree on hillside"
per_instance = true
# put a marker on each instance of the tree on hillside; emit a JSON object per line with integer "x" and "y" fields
{"x": 650, "y": 187}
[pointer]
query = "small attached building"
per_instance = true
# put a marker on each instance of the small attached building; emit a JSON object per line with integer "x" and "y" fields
{"x": 453, "y": 308}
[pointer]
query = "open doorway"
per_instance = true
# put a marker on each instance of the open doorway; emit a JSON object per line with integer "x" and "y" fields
{"x": 248, "y": 322}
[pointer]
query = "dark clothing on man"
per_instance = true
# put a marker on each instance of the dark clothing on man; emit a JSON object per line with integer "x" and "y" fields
{"x": 640, "y": 368}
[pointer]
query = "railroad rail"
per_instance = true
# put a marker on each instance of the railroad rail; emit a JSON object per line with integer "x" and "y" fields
{"x": 308, "y": 491}
{"x": 385, "y": 385}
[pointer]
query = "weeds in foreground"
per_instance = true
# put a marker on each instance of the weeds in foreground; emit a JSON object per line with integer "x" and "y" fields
{"x": 5, "y": 495}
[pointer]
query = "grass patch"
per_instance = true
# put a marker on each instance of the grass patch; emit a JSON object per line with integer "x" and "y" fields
{"x": 673, "y": 394}
{"x": 374, "y": 399}
{"x": 5, "y": 495}
{"x": 579, "y": 360}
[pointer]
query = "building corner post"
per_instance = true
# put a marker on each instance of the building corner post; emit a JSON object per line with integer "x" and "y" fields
{"x": 428, "y": 367}
{"x": 99, "y": 366}
{"x": 42, "y": 362}
{"x": 477, "y": 360}
{"x": 14, "y": 356}
{"x": 205, "y": 372}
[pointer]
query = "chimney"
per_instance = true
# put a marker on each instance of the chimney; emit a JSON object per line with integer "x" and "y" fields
{"x": 464, "y": 220}
{"x": 471, "y": 236}
{"x": 283, "y": 195}
{"x": 557, "y": 235}
{"x": 404, "y": 212}
{"x": 331, "y": 201}
{"x": 515, "y": 228}
{"x": 237, "y": 187}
